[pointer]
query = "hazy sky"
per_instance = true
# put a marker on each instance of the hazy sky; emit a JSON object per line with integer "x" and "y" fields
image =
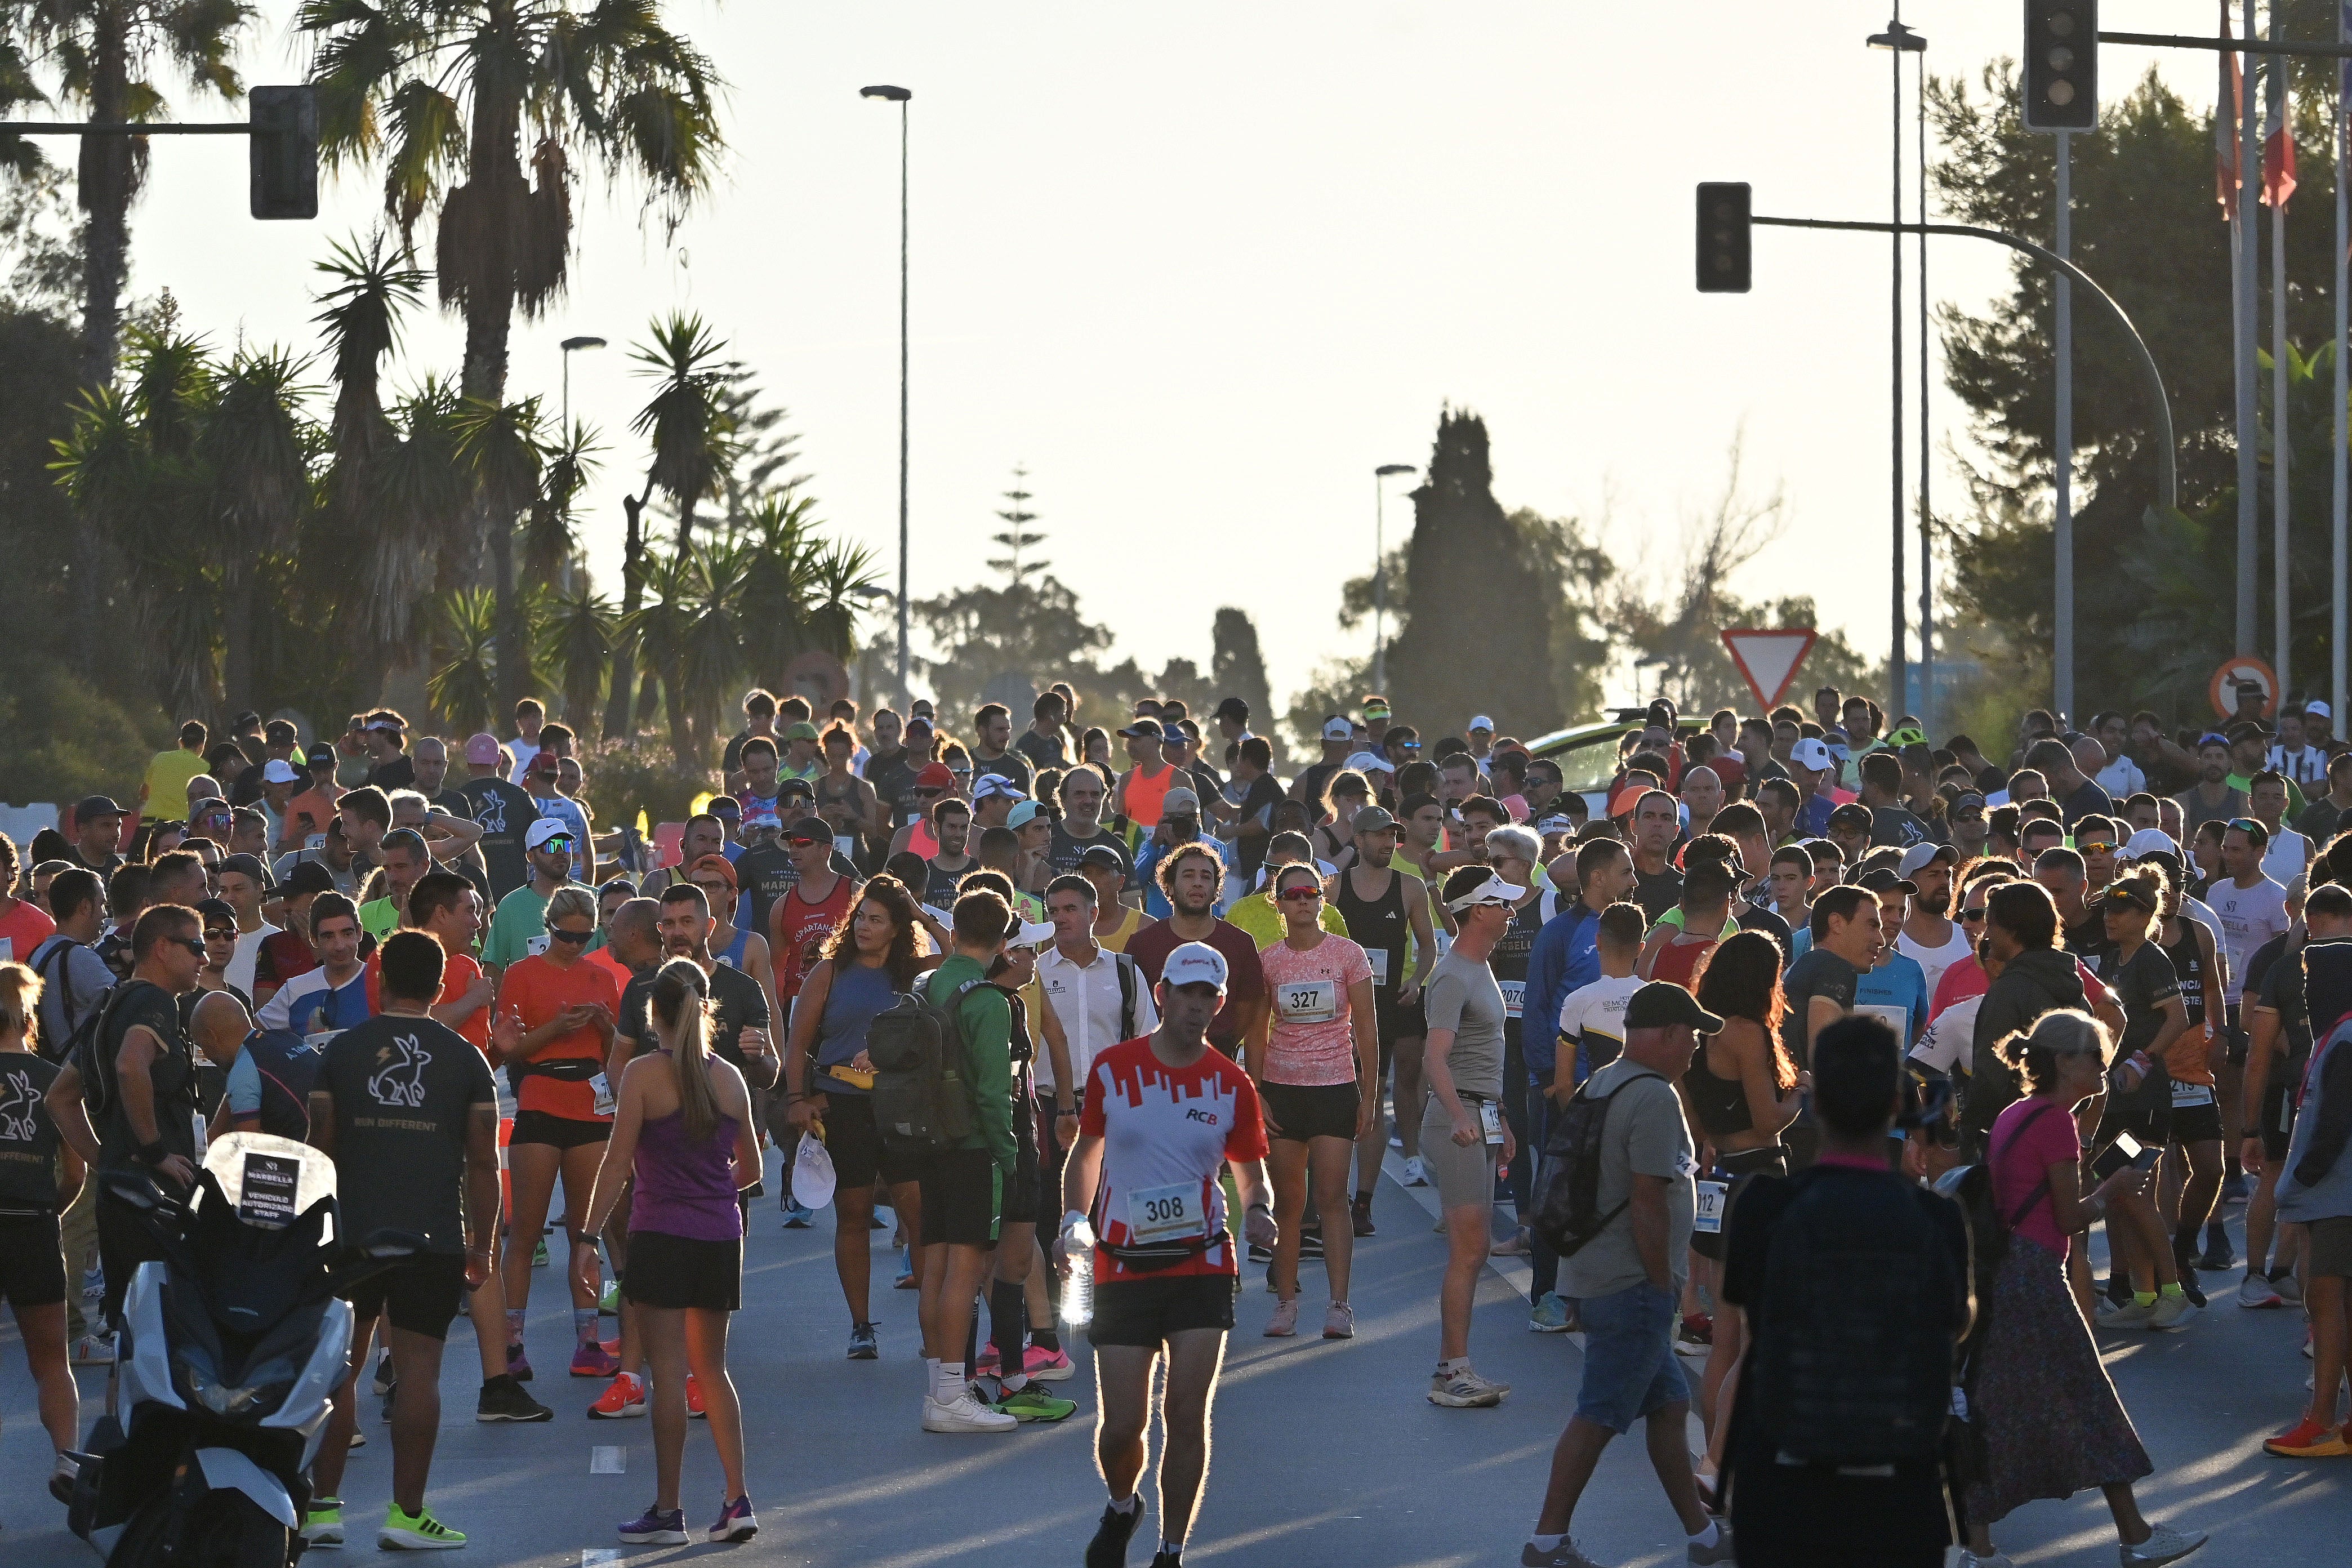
{"x": 1203, "y": 269}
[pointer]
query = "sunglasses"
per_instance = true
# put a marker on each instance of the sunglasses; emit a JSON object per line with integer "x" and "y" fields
{"x": 2100, "y": 845}
{"x": 560, "y": 934}
{"x": 556, "y": 846}
{"x": 798, "y": 842}
{"x": 195, "y": 944}
{"x": 2247, "y": 825}
{"x": 1299, "y": 894}
{"x": 1971, "y": 917}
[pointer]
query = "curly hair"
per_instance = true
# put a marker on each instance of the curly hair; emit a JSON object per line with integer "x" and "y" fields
{"x": 1740, "y": 978}
{"x": 902, "y": 961}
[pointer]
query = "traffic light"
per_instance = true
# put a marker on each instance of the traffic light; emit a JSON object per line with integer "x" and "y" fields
{"x": 2061, "y": 64}
{"x": 1722, "y": 237}
{"x": 284, "y": 150}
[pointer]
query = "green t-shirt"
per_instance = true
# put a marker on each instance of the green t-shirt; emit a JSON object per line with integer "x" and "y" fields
{"x": 985, "y": 1020}
{"x": 519, "y": 929}
{"x": 1259, "y": 920}
{"x": 379, "y": 917}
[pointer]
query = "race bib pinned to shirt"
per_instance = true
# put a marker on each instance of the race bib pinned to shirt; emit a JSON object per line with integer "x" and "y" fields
{"x": 532, "y": 947}
{"x": 1379, "y": 957}
{"x": 603, "y": 1088}
{"x": 1514, "y": 992}
{"x": 1307, "y": 1001}
{"x": 1707, "y": 1217}
{"x": 1172, "y": 1213}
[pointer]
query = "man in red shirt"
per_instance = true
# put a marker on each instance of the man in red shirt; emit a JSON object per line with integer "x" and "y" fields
{"x": 1190, "y": 876}
{"x": 808, "y": 911}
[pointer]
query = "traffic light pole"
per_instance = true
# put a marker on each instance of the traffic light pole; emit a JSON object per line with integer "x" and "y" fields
{"x": 2168, "y": 477}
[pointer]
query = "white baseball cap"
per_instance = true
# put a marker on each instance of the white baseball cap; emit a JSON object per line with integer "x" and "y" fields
{"x": 277, "y": 770}
{"x": 1339, "y": 729}
{"x": 1920, "y": 856}
{"x": 1031, "y": 934}
{"x": 997, "y": 784}
{"x": 1368, "y": 763}
{"x": 1480, "y": 722}
{"x": 1811, "y": 753}
{"x": 1192, "y": 964}
{"x": 545, "y": 828}
{"x": 2149, "y": 841}
{"x": 1493, "y": 890}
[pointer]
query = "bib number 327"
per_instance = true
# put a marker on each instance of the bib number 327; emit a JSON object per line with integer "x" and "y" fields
{"x": 1166, "y": 1214}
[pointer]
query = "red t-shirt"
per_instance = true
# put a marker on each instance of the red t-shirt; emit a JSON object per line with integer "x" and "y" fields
{"x": 1245, "y": 977}
{"x": 25, "y": 928}
{"x": 798, "y": 931}
{"x": 1167, "y": 1134}
{"x": 459, "y": 973}
{"x": 537, "y": 990}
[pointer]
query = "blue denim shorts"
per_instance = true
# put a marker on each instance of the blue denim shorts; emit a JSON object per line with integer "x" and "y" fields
{"x": 1630, "y": 1367}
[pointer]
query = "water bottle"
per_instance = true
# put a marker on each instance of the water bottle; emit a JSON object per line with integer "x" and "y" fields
{"x": 1079, "y": 1289}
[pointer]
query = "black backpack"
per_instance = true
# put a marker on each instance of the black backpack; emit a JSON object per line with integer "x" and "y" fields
{"x": 289, "y": 1066}
{"x": 1853, "y": 1364}
{"x": 55, "y": 970}
{"x": 1567, "y": 1201}
{"x": 1988, "y": 1227}
{"x": 921, "y": 1096}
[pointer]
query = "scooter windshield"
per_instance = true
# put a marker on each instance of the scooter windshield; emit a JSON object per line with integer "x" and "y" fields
{"x": 269, "y": 1182}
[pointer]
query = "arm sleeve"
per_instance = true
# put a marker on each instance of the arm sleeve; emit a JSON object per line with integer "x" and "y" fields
{"x": 987, "y": 1023}
{"x": 245, "y": 1086}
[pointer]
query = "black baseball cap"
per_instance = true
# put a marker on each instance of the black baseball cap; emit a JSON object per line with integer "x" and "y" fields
{"x": 307, "y": 877}
{"x": 1101, "y": 855}
{"x": 811, "y": 828}
{"x": 1887, "y": 879}
{"x": 248, "y": 866}
{"x": 1662, "y": 1004}
{"x": 91, "y": 806}
{"x": 1853, "y": 813}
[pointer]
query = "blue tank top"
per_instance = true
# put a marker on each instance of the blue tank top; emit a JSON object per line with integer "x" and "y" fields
{"x": 733, "y": 956}
{"x": 857, "y": 992}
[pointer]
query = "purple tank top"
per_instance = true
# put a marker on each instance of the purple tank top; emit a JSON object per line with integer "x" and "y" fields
{"x": 686, "y": 1188}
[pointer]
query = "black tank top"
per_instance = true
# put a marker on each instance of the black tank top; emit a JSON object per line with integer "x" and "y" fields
{"x": 1719, "y": 1104}
{"x": 1379, "y": 924}
{"x": 939, "y": 884}
{"x": 2188, "y": 964}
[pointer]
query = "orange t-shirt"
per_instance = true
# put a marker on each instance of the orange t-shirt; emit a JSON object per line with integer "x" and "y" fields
{"x": 603, "y": 959}
{"x": 457, "y": 976}
{"x": 536, "y": 991}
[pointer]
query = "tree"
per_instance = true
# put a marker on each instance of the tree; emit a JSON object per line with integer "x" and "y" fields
{"x": 1236, "y": 668}
{"x": 257, "y": 448}
{"x": 1018, "y": 540}
{"x": 500, "y": 447}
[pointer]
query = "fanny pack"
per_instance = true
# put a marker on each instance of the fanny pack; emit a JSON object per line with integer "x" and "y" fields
{"x": 564, "y": 1069}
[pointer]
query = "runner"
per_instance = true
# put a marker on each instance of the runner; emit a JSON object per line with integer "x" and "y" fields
{"x": 808, "y": 913}
{"x": 407, "y": 1109}
{"x": 32, "y": 1266}
{"x": 1165, "y": 1114}
{"x": 1080, "y": 830}
{"x": 1315, "y": 1060}
{"x": 2139, "y": 1100}
{"x": 1386, "y": 913}
{"x": 519, "y": 928}
{"x": 1926, "y": 937}
{"x": 1190, "y": 879}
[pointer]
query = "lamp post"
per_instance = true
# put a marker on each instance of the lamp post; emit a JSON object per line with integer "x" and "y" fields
{"x": 899, "y": 96}
{"x": 571, "y": 347}
{"x": 1380, "y": 573}
{"x": 1898, "y": 40}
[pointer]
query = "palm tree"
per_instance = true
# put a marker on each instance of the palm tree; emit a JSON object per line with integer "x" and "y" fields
{"x": 499, "y": 446}
{"x": 464, "y": 681}
{"x": 660, "y": 634}
{"x": 576, "y": 638}
{"x": 257, "y": 449}
{"x": 779, "y": 574}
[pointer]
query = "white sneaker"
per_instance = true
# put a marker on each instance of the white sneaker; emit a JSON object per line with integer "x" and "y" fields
{"x": 2255, "y": 1292}
{"x": 1466, "y": 1390}
{"x": 1989, "y": 1560}
{"x": 2171, "y": 1313}
{"x": 2289, "y": 1287}
{"x": 2164, "y": 1544}
{"x": 964, "y": 1415}
{"x": 1415, "y": 1176}
{"x": 92, "y": 1350}
{"x": 2127, "y": 1314}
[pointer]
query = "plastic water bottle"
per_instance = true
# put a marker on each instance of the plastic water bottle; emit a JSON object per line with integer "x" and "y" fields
{"x": 1079, "y": 1289}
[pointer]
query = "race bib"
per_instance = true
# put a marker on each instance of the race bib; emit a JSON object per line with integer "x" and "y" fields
{"x": 532, "y": 947}
{"x": 1707, "y": 1215}
{"x": 2191, "y": 1093}
{"x": 1896, "y": 1018}
{"x": 7, "y": 950}
{"x": 1166, "y": 1214}
{"x": 1490, "y": 1121}
{"x": 1307, "y": 1001}
{"x": 1514, "y": 992}
{"x": 603, "y": 1088}
{"x": 1379, "y": 957}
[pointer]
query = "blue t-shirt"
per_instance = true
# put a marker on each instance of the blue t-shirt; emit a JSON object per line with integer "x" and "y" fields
{"x": 1897, "y": 981}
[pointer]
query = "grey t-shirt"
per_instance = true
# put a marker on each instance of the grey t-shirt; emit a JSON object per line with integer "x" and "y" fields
{"x": 1645, "y": 1135}
{"x": 1463, "y": 997}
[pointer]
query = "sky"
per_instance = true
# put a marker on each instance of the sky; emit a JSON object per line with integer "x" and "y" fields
{"x": 1203, "y": 269}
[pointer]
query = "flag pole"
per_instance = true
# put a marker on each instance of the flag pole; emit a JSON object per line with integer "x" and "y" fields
{"x": 2281, "y": 425}
{"x": 2250, "y": 175}
{"x": 2062, "y": 678}
{"x": 2335, "y": 576}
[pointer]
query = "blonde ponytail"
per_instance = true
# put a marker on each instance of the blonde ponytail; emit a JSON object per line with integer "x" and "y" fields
{"x": 20, "y": 994}
{"x": 682, "y": 1020}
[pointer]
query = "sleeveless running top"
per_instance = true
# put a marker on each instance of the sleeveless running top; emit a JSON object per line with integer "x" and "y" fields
{"x": 857, "y": 995}
{"x": 940, "y": 886}
{"x": 1378, "y": 926}
{"x": 923, "y": 841}
{"x": 1719, "y": 1104}
{"x": 684, "y": 1188}
{"x": 732, "y": 954}
{"x": 1147, "y": 792}
{"x": 2189, "y": 964}
{"x": 1510, "y": 961}
{"x": 1678, "y": 961}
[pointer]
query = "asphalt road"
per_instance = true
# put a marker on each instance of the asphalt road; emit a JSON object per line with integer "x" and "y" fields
{"x": 1325, "y": 1453}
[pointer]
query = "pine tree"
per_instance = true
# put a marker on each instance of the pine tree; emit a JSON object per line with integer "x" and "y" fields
{"x": 1018, "y": 539}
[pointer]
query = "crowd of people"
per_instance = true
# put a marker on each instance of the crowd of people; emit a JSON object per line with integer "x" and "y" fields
{"x": 1806, "y": 1052}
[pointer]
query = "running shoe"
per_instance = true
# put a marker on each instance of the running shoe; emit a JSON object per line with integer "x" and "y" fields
{"x": 736, "y": 1522}
{"x": 655, "y": 1527}
{"x": 538, "y": 1254}
{"x": 2164, "y": 1544}
{"x": 1696, "y": 1335}
{"x": 517, "y": 1364}
{"x": 694, "y": 1410}
{"x": 358, "y": 1439}
{"x": 905, "y": 1280}
{"x": 2217, "y": 1255}
{"x": 1033, "y": 1404}
{"x": 1466, "y": 1390}
{"x": 418, "y": 1531}
{"x": 383, "y": 1377}
{"x": 1340, "y": 1321}
{"x": 1564, "y": 1555}
{"x": 1550, "y": 1315}
{"x": 62, "y": 1479}
{"x": 1360, "y": 1213}
{"x": 622, "y": 1398}
{"x": 1164, "y": 1558}
{"x": 503, "y": 1399}
{"x": 1048, "y": 1366}
{"x": 863, "y": 1343}
{"x": 1283, "y": 1322}
{"x": 1109, "y": 1548}
{"x": 1721, "y": 1551}
{"x": 2171, "y": 1311}
{"x": 2289, "y": 1287}
{"x": 1515, "y": 1245}
{"x": 2129, "y": 1314}
{"x": 388, "y": 1394}
{"x": 591, "y": 1359}
{"x": 1311, "y": 1245}
{"x": 987, "y": 1364}
{"x": 1989, "y": 1560}
{"x": 92, "y": 1350}
{"x": 2256, "y": 1291}
{"x": 1415, "y": 1176}
{"x": 608, "y": 1301}
{"x": 2308, "y": 1440}
{"x": 965, "y": 1414}
{"x": 797, "y": 1216}
{"x": 322, "y": 1525}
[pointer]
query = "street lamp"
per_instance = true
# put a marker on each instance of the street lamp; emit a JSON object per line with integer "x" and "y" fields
{"x": 899, "y": 96}
{"x": 571, "y": 347}
{"x": 1380, "y": 573}
{"x": 1898, "y": 40}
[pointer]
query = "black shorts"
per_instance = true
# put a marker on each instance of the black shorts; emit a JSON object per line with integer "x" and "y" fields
{"x": 2274, "y": 1134}
{"x": 678, "y": 1271}
{"x": 963, "y": 1197}
{"x": 1743, "y": 1167}
{"x": 421, "y": 1295}
{"x": 2197, "y": 1124}
{"x": 124, "y": 1245}
{"x": 2151, "y": 1124}
{"x": 32, "y": 1261}
{"x": 861, "y": 1155}
{"x": 1024, "y": 1183}
{"x": 1394, "y": 1023}
{"x": 2235, "y": 1041}
{"x": 1144, "y": 1312}
{"x": 557, "y": 1132}
{"x": 1052, "y": 1158}
{"x": 1305, "y": 1111}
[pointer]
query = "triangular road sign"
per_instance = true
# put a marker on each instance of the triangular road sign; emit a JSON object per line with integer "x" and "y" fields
{"x": 1768, "y": 660}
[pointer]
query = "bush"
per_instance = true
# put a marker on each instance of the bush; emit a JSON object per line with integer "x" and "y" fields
{"x": 626, "y": 775}
{"x": 67, "y": 740}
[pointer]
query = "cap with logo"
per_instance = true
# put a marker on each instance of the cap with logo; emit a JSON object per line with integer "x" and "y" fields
{"x": 1853, "y": 814}
{"x": 935, "y": 775}
{"x": 1493, "y": 890}
{"x": 989, "y": 784}
{"x": 1375, "y": 819}
{"x": 1968, "y": 800}
{"x": 1811, "y": 753}
{"x": 545, "y": 828}
{"x": 814, "y": 829}
{"x": 1368, "y": 763}
{"x": 482, "y": 749}
{"x": 1194, "y": 963}
{"x": 1662, "y": 1004}
{"x": 544, "y": 763}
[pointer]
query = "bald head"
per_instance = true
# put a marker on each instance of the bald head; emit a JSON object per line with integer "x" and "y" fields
{"x": 219, "y": 1026}
{"x": 2089, "y": 756}
{"x": 634, "y": 932}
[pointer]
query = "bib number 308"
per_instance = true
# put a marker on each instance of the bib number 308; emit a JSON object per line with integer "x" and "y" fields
{"x": 1166, "y": 1214}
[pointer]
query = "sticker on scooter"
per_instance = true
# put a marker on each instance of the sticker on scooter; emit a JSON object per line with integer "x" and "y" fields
{"x": 266, "y": 1194}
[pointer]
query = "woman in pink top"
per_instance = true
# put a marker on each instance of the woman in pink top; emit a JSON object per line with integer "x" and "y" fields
{"x": 2047, "y": 1420}
{"x": 1315, "y": 1054}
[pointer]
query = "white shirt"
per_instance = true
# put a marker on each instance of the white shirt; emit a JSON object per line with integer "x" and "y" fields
{"x": 523, "y": 752}
{"x": 2122, "y": 778}
{"x": 2287, "y": 857}
{"x": 1084, "y": 1002}
{"x": 1597, "y": 1011}
{"x": 1950, "y": 1037}
{"x": 2250, "y": 917}
{"x": 1934, "y": 961}
{"x": 239, "y": 972}
{"x": 2306, "y": 766}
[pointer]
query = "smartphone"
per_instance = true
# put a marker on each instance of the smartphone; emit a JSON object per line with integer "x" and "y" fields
{"x": 2126, "y": 1152}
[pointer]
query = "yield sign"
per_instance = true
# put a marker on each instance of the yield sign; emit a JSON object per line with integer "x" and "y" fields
{"x": 1769, "y": 659}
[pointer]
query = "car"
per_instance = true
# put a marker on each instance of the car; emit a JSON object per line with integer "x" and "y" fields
{"x": 1587, "y": 753}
